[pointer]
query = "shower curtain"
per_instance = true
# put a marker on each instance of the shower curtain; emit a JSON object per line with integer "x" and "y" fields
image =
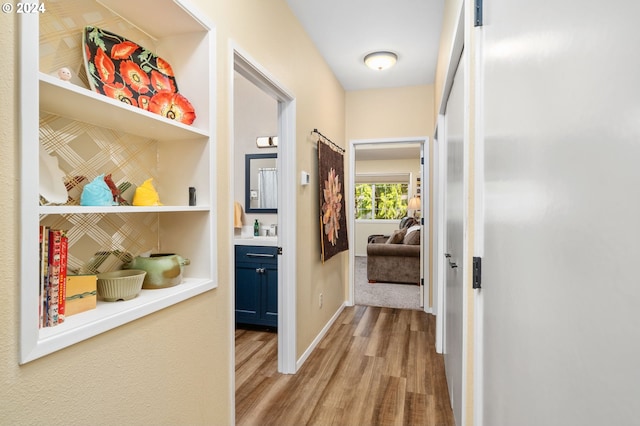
{"x": 268, "y": 186}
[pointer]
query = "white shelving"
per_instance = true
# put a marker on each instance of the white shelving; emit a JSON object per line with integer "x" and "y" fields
{"x": 184, "y": 156}
{"x": 68, "y": 100}
{"x": 120, "y": 209}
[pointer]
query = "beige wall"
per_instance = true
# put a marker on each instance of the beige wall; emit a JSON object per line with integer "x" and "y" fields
{"x": 390, "y": 113}
{"x": 447, "y": 36}
{"x": 393, "y": 113}
{"x": 174, "y": 366}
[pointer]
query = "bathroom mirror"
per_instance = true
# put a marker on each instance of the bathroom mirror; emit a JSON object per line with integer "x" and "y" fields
{"x": 261, "y": 183}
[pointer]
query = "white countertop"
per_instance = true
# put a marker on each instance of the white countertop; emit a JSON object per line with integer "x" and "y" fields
{"x": 256, "y": 241}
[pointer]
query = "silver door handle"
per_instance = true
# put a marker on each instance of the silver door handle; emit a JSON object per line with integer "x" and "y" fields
{"x": 447, "y": 255}
{"x": 453, "y": 264}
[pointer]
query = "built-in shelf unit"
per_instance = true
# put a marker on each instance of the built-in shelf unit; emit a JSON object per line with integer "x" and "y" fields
{"x": 91, "y": 134}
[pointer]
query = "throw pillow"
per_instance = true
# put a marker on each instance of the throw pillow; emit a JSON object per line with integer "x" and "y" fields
{"x": 413, "y": 236}
{"x": 397, "y": 237}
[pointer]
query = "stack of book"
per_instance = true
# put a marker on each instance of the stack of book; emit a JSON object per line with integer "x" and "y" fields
{"x": 54, "y": 247}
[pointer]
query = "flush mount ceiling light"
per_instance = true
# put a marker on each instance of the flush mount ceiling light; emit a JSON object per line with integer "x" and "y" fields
{"x": 380, "y": 60}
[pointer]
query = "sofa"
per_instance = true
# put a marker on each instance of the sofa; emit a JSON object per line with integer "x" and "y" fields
{"x": 395, "y": 258}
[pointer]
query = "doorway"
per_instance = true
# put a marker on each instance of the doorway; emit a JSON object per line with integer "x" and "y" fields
{"x": 395, "y": 164}
{"x": 253, "y": 73}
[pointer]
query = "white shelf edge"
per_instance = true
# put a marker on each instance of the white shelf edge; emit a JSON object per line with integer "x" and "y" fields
{"x": 69, "y": 100}
{"x": 109, "y": 315}
{"x": 119, "y": 209}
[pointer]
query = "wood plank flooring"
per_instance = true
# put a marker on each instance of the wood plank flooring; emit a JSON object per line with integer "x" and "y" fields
{"x": 375, "y": 366}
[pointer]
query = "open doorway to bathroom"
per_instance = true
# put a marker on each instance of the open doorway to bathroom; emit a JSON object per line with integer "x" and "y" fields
{"x": 255, "y": 189}
{"x": 389, "y": 250}
{"x": 263, "y": 162}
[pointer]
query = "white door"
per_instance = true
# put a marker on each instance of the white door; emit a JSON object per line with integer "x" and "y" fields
{"x": 560, "y": 278}
{"x": 454, "y": 213}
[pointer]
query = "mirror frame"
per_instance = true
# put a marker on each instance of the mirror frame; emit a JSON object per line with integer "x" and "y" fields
{"x": 247, "y": 182}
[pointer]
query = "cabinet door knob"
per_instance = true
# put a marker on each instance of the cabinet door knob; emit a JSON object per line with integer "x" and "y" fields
{"x": 260, "y": 270}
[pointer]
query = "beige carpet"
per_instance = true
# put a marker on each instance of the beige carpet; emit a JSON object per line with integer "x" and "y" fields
{"x": 404, "y": 296}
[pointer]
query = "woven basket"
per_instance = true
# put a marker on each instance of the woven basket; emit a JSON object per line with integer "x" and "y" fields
{"x": 120, "y": 285}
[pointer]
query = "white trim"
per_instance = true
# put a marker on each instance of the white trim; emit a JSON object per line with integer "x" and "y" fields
{"x": 287, "y": 204}
{"x": 455, "y": 56}
{"x": 423, "y": 141}
{"x": 320, "y": 336}
{"x": 478, "y": 228}
{"x": 440, "y": 153}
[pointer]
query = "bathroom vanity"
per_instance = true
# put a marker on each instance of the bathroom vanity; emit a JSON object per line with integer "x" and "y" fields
{"x": 256, "y": 276}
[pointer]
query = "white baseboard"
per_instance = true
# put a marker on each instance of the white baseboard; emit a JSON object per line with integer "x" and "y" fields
{"x": 319, "y": 337}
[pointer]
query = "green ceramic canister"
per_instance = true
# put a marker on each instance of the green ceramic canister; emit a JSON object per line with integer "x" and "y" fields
{"x": 163, "y": 269}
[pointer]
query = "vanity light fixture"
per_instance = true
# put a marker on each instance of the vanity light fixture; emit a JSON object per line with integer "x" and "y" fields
{"x": 267, "y": 141}
{"x": 380, "y": 60}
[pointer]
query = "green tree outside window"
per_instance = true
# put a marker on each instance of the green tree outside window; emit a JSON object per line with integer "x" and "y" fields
{"x": 381, "y": 200}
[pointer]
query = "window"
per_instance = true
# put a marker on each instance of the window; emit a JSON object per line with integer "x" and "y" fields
{"x": 381, "y": 200}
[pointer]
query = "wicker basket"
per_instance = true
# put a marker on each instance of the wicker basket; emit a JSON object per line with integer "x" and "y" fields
{"x": 120, "y": 285}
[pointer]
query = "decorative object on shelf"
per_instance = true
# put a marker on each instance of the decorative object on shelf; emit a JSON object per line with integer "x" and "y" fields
{"x": 163, "y": 269}
{"x": 146, "y": 195}
{"x": 115, "y": 191}
{"x": 173, "y": 106}
{"x": 97, "y": 193}
{"x": 192, "y": 196}
{"x": 120, "y": 285}
{"x": 64, "y": 74}
{"x": 52, "y": 187}
{"x": 81, "y": 293}
{"x": 124, "y": 70}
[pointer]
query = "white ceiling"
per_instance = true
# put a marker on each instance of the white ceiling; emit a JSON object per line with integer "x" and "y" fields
{"x": 346, "y": 30}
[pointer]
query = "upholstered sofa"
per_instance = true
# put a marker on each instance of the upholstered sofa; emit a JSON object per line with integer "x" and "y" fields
{"x": 395, "y": 258}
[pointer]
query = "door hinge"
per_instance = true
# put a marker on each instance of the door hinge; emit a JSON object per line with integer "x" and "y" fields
{"x": 279, "y": 250}
{"x": 422, "y": 221}
{"x": 422, "y": 161}
{"x": 477, "y": 272}
{"x": 477, "y": 19}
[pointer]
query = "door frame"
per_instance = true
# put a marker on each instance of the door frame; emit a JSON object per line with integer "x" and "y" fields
{"x": 440, "y": 132}
{"x": 424, "y": 248}
{"x": 467, "y": 41}
{"x": 249, "y": 68}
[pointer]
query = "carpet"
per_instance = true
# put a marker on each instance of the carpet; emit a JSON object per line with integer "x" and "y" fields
{"x": 403, "y": 296}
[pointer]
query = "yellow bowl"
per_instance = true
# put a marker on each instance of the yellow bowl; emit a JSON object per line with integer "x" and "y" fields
{"x": 120, "y": 285}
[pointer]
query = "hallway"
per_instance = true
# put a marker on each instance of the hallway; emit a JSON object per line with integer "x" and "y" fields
{"x": 375, "y": 366}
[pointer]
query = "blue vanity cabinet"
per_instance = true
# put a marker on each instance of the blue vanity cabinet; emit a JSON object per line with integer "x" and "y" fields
{"x": 256, "y": 285}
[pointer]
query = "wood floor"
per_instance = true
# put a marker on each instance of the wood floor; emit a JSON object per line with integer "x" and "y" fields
{"x": 375, "y": 366}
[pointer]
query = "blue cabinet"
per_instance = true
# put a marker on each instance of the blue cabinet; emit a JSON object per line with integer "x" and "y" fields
{"x": 256, "y": 285}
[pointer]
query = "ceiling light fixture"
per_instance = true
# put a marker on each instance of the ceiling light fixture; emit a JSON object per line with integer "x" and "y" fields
{"x": 380, "y": 60}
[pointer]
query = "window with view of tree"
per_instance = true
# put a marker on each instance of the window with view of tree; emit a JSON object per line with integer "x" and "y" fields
{"x": 381, "y": 200}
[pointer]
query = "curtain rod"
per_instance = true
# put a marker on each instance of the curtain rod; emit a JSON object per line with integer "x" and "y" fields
{"x": 339, "y": 148}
